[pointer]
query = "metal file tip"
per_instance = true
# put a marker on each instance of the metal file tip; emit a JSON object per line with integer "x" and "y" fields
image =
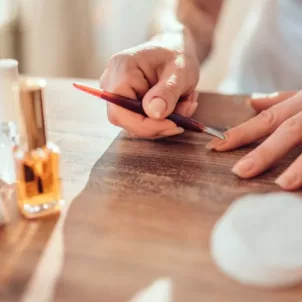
{"x": 214, "y": 132}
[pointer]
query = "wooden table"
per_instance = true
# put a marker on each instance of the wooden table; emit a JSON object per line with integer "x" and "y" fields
{"x": 137, "y": 212}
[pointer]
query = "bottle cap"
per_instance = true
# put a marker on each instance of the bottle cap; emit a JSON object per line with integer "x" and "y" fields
{"x": 32, "y": 111}
{"x": 9, "y": 93}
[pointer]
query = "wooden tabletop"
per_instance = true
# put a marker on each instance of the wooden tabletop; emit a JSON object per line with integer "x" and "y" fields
{"x": 139, "y": 214}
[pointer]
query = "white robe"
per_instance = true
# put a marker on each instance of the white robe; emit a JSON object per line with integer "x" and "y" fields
{"x": 267, "y": 55}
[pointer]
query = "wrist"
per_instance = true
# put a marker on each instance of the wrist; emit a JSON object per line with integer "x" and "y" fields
{"x": 179, "y": 40}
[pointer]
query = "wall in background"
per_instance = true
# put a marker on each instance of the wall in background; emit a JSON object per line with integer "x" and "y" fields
{"x": 7, "y": 28}
{"x": 80, "y": 43}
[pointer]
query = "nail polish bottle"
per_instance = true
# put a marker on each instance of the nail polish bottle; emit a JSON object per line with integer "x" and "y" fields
{"x": 38, "y": 186}
{"x": 9, "y": 134}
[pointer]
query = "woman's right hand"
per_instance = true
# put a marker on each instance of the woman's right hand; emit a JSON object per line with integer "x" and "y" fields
{"x": 159, "y": 76}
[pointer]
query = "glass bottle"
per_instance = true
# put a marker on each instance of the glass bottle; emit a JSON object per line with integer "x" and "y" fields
{"x": 38, "y": 184}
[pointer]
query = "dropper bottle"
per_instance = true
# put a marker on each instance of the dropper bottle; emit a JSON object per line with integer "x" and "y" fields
{"x": 9, "y": 114}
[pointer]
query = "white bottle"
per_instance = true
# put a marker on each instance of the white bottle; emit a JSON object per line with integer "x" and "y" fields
{"x": 9, "y": 114}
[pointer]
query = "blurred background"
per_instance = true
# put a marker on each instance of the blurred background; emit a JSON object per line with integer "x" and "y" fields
{"x": 75, "y": 38}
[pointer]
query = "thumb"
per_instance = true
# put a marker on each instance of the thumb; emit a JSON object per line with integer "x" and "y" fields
{"x": 161, "y": 99}
{"x": 262, "y": 102}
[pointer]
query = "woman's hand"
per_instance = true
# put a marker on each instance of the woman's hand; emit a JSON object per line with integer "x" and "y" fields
{"x": 280, "y": 119}
{"x": 159, "y": 76}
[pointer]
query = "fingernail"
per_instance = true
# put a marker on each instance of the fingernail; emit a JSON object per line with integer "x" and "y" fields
{"x": 259, "y": 96}
{"x": 131, "y": 134}
{"x": 168, "y": 133}
{"x": 286, "y": 180}
{"x": 273, "y": 95}
{"x": 191, "y": 109}
{"x": 195, "y": 97}
{"x": 172, "y": 132}
{"x": 157, "y": 107}
{"x": 214, "y": 143}
{"x": 243, "y": 166}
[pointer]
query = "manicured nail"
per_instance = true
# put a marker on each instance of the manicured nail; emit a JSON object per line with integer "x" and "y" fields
{"x": 214, "y": 143}
{"x": 243, "y": 166}
{"x": 195, "y": 96}
{"x": 286, "y": 180}
{"x": 191, "y": 109}
{"x": 157, "y": 107}
{"x": 168, "y": 133}
{"x": 259, "y": 96}
{"x": 172, "y": 132}
{"x": 273, "y": 95}
{"x": 131, "y": 134}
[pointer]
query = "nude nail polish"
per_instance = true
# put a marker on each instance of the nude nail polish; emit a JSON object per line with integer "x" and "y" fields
{"x": 191, "y": 109}
{"x": 244, "y": 166}
{"x": 214, "y": 144}
{"x": 173, "y": 131}
{"x": 255, "y": 96}
{"x": 195, "y": 97}
{"x": 157, "y": 107}
{"x": 286, "y": 180}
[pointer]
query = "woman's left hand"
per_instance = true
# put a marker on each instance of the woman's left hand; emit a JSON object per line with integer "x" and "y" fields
{"x": 279, "y": 118}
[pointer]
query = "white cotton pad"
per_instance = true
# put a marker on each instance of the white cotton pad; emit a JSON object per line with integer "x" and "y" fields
{"x": 258, "y": 241}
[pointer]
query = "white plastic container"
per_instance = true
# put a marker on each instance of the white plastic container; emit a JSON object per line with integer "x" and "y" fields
{"x": 9, "y": 115}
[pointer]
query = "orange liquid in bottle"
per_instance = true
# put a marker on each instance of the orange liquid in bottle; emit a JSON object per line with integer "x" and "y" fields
{"x": 38, "y": 184}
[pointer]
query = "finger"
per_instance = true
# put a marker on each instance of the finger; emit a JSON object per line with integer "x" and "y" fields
{"x": 285, "y": 138}
{"x": 291, "y": 179}
{"x": 103, "y": 79}
{"x": 188, "y": 106}
{"x": 259, "y": 126}
{"x": 139, "y": 125}
{"x": 126, "y": 86}
{"x": 131, "y": 85}
{"x": 263, "y": 102}
{"x": 160, "y": 101}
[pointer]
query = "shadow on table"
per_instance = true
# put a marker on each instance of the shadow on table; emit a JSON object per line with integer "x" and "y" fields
{"x": 22, "y": 243}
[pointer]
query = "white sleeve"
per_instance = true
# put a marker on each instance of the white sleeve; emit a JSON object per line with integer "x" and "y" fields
{"x": 267, "y": 55}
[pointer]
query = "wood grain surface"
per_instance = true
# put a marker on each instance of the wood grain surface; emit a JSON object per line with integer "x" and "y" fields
{"x": 137, "y": 211}
{"x": 147, "y": 213}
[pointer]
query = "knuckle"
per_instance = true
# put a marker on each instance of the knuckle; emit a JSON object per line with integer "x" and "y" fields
{"x": 178, "y": 56}
{"x": 172, "y": 89}
{"x": 268, "y": 118}
{"x": 117, "y": 57}
{"x": 299, "y": 94}
{"x": 121, "y": 61}
{"x": 162, "y": 52}
{"x": 293, "y": 126}
{"x": 262, "y": 154}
